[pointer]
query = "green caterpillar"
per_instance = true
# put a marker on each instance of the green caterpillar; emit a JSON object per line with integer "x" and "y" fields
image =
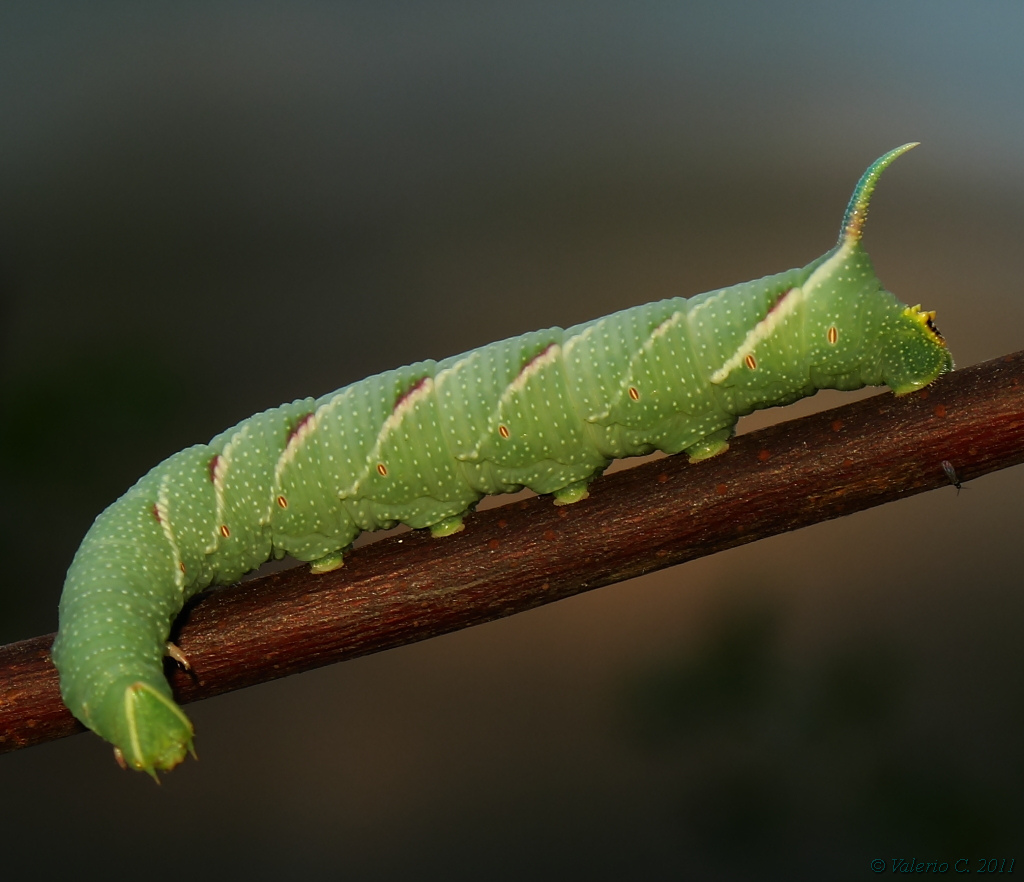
{"x": 421, "y": 445}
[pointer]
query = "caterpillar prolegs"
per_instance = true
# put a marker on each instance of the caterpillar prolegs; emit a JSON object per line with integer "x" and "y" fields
{"x": 420, "y": 445}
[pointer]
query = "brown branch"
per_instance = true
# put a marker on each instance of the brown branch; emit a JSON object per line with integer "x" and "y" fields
{"x": 510, "y": 559}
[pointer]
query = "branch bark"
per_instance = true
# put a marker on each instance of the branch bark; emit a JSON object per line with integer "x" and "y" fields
{"x": 513, "y": 558}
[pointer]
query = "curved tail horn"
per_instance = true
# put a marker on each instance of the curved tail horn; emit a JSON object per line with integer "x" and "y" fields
{"x": 857, "y": 210}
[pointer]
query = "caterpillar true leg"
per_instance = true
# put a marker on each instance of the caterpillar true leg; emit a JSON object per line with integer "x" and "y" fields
{"x": 173, "y": 651}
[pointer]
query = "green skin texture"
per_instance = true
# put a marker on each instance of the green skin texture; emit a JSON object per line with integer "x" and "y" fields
{"x": 422, "y": 444}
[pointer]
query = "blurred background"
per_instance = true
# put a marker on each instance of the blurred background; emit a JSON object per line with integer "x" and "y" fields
{"x": 208, "y": 209}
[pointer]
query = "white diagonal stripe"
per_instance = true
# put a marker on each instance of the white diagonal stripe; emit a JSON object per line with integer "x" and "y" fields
{"x": 164, "y": 517}
{"x": 424, "y": 387}
{"x": 761, "y": 331}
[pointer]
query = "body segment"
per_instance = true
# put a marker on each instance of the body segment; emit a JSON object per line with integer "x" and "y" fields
{"x": 422, "y": 444}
